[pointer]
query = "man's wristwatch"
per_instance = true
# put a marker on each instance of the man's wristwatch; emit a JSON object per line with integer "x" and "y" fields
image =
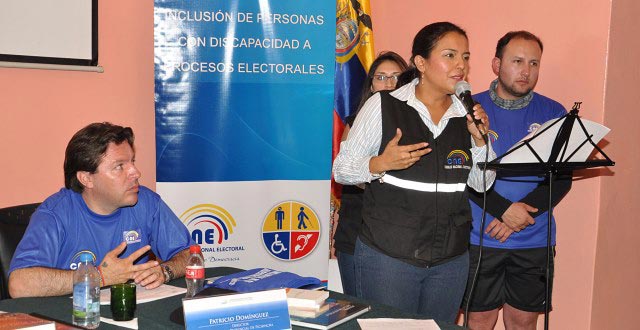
{"x": 168, "y": 273}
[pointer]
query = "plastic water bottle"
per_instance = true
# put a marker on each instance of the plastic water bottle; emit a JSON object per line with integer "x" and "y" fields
{"x": 86, "y": 293}
{"x": 194, "y": 275}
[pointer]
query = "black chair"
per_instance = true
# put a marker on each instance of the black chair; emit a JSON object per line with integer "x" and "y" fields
{"x": 13, "y": 224}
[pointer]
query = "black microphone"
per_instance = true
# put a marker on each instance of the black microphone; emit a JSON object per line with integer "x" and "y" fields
{"x": 463, "y": 93}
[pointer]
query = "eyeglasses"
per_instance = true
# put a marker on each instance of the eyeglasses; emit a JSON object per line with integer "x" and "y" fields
{"x": 381, "y": 77}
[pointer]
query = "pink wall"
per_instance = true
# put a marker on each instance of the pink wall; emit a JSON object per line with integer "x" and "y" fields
{"x": 575, "y": 36}
{"x": 40, "y": 110}
{"x": 617, "y": 267}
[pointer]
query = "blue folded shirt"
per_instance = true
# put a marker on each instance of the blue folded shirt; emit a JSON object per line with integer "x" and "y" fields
{"x": 258, "y": 279}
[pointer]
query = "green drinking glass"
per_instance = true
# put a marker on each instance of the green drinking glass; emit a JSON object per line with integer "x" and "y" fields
{"x": 123, "y": 301}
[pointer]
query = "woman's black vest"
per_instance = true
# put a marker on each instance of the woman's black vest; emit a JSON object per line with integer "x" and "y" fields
{"x": 423, "y": 228}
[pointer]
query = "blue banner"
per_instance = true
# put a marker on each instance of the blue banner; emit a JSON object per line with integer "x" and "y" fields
{"x": 244, "y": 109}
{"x": 243, "y": 90}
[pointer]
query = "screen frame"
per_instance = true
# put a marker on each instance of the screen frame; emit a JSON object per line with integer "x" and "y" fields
{"x": 93, "y": 61}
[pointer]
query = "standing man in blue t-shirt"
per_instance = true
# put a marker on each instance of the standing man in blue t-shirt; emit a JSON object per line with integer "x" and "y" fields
{"x": 512, "y": 273}
{"x": 103, "y": 211}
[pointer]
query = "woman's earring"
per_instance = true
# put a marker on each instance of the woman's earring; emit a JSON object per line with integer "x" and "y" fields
{"x": 422, "y": 78}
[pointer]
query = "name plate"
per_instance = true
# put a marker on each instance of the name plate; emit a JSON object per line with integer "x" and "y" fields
{"x": 241, "y": 311}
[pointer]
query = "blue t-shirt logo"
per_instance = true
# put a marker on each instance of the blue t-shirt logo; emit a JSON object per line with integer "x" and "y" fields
{"x": 131, "y": 236}
{"x": 75, "y": 260}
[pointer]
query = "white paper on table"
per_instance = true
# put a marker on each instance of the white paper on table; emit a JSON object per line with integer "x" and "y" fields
{"x": 405, "y": 324}
{"x": 131, "y": 324}
{"x": 143, "y": 295}
{"x": 543, "y": 142}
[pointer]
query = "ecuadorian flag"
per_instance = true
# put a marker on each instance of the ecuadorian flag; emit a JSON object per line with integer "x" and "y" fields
{"x": 354, "y": 54}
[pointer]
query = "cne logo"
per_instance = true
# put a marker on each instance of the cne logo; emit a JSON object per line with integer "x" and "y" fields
{"x": 75, "y": 260}
{"x": 533, "y": 127}
{"x": 493, "y": 136}
{"x": 208, "y": 223}
{"x": 131, "y": 236}
{"x": 290, "y": 230}
{"x": 457, "y": 158}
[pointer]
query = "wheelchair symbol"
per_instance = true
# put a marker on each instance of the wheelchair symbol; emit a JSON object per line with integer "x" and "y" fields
{"x": 277, "y": 244}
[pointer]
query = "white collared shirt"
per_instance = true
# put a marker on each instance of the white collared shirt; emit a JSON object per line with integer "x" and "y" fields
{"x": 351, "y": 166}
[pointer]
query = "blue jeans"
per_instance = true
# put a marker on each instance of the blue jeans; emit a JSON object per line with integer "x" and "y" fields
{"x": 435, "y": 292}
{"x": 347, "y": 272}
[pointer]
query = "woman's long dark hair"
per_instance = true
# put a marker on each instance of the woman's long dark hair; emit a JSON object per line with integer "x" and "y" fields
{"x": 368, "y": 81}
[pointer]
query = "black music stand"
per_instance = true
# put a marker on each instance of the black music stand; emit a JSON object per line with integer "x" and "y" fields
{"x": 558, "y": 160}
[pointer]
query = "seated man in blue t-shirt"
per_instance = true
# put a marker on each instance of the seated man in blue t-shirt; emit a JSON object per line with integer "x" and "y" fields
{"x": 104, "y": 211}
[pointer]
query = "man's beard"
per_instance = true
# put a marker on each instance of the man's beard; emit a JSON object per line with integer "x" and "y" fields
{"x": 512, "y": 91}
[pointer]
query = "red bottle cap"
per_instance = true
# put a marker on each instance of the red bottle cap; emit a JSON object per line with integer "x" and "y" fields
{"x": 194, "y": 249}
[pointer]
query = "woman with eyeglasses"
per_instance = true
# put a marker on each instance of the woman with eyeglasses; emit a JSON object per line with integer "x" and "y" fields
{"x": 416, "y": 149}
{"x": 383, "y": 75}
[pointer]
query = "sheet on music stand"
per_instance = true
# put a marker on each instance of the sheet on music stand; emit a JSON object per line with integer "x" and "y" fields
{"x": 543, "y": 142}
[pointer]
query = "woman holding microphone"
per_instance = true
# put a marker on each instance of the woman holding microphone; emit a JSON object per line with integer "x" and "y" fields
{"x": 416, "y": 149}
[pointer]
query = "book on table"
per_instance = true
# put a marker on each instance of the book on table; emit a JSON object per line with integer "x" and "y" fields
{"x": 32, "y": 321}
{"x": 24, "y": 321}
{"x": 300, "y": 298}
{"x": 336, "y": 313}
{"x": 308, "y": 311}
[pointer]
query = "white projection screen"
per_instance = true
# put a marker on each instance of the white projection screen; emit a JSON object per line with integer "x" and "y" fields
{"x": 61, "y": 32}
